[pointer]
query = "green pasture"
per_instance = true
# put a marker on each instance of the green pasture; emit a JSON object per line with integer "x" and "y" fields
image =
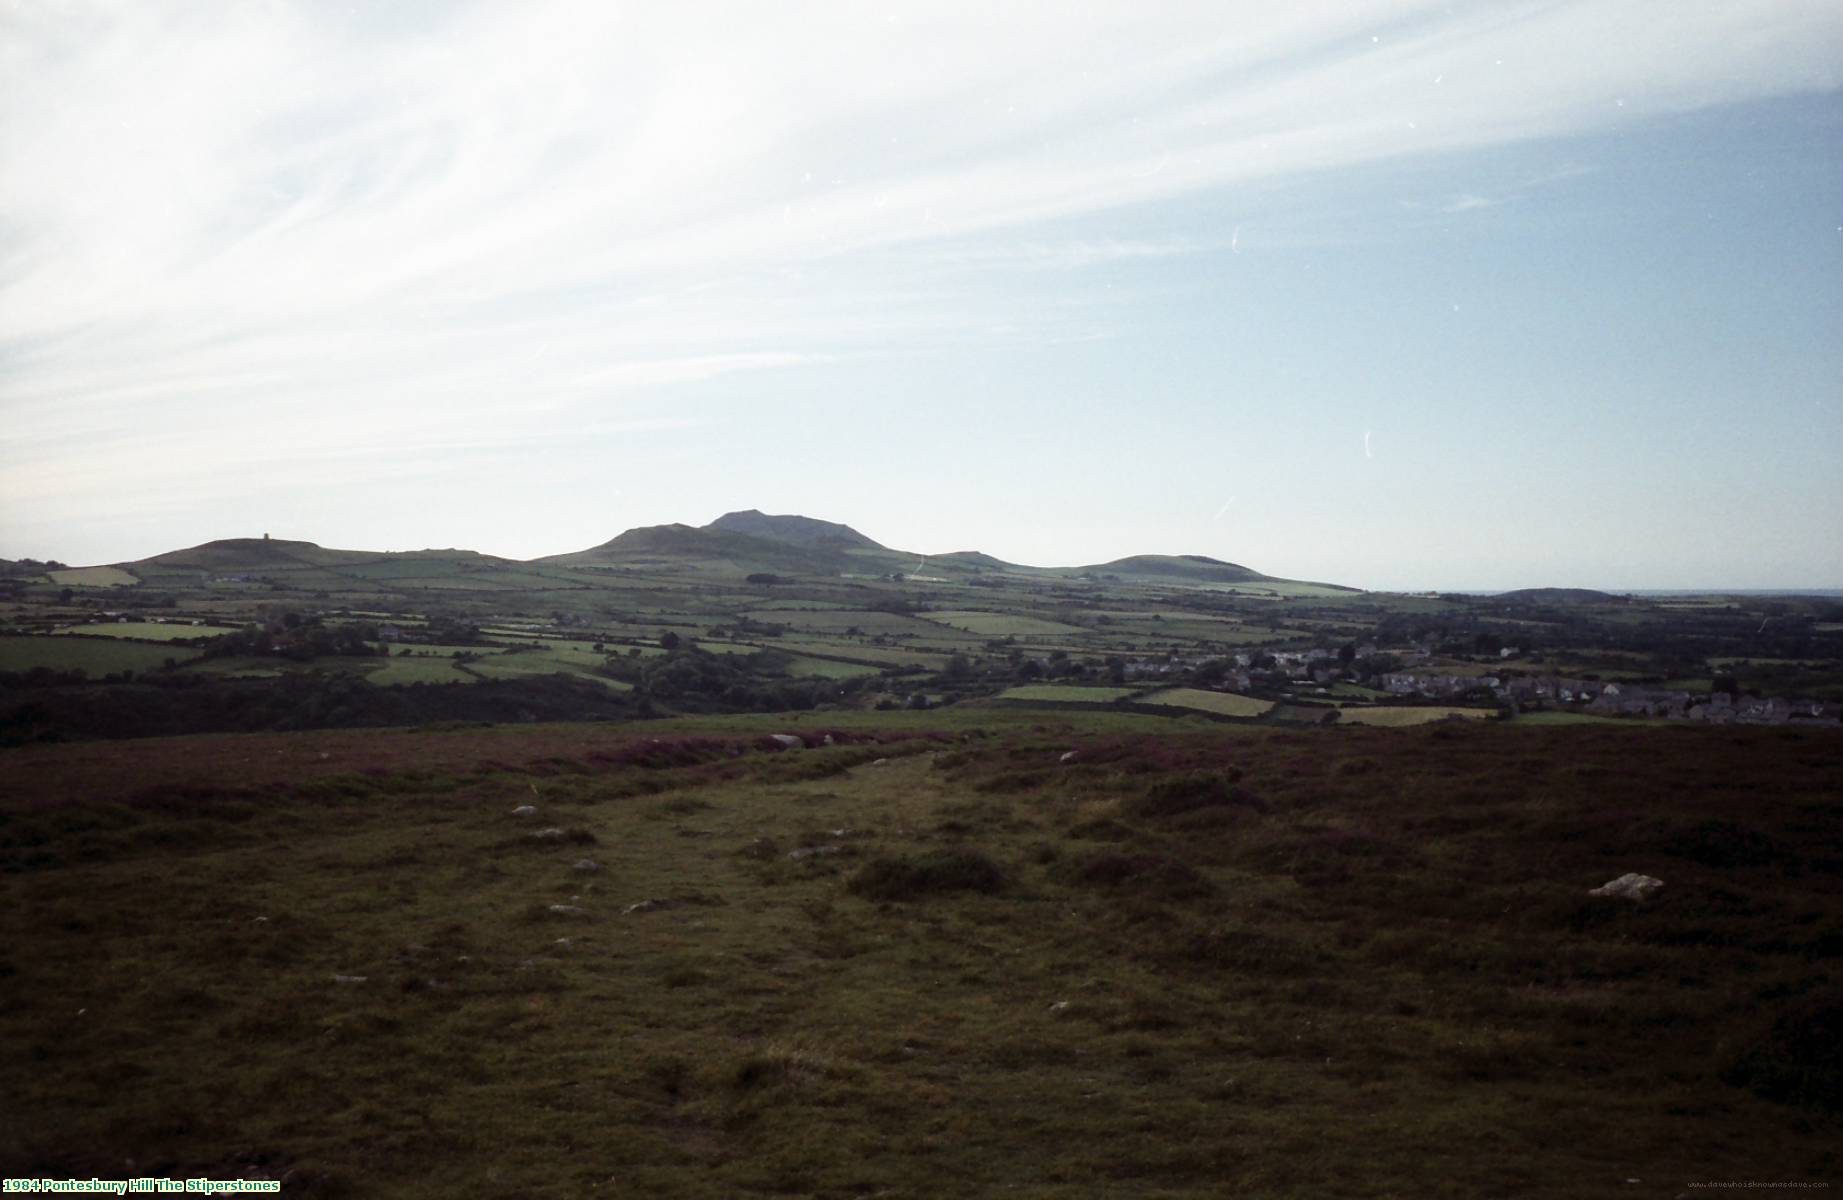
{"x": 514, "y": 666}
{"x": 145, "y": 631}
{"x": 835, "y": 621}
{"x": 894, "y": 656}
{"x": 991, "y": 624}
{"x": 1226, "y": 704}
{"x": 97, "y": 577}
{"x": 398, "y": 670}
{"x": 1065, "y": 694}
{"x": 97, "y": 656}
{"x": 803, "y": 665}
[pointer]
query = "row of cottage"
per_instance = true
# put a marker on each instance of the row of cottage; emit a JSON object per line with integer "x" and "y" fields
{"x": 1619, "y": 699}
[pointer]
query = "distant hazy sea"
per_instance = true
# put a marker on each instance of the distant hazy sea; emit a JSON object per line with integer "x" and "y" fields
{"x": 1835, "y": 592}
{"x": 1831, "y": 593}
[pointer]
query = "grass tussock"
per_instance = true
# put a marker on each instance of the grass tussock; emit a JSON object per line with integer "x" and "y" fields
{"x": 931, "y": 873}
{"x": 1193, "y": 790}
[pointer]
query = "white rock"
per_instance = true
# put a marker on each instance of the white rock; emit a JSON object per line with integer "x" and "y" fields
{"x": 786, "y": 740}
{"x": 566, "y": 910}
{"x": 585, "y": 864}
{"x": 550, "y": 834}
{"x": 525, "y": 810}
{"x": 1629, "y": 887}
{"x": 1067, "y": 757}
{"x": 642, "y": 906}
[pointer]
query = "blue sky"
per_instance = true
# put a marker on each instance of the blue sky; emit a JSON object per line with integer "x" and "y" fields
{"x": 1402, "y": 295}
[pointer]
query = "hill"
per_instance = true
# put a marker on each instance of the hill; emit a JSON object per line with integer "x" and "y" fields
{"x": 231, "y": 554}
{"x": 1195, "y": 568}
{"x": 793, "y": 530}
{"x": 688, "y": 547}
{"x": 744, "y": 542}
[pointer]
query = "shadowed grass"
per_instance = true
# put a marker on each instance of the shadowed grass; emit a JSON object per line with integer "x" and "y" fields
{"x": 1264, "y": 962}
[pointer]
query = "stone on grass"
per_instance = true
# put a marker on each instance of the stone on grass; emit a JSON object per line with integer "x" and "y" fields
{"x": 786, "y": 741}
{"x": 585, "y": 864}
{"x": 525, "y": 810}
{"x": 1068, "y": 756}
{"x": 566, "y": 910}
{"x": 1629, "y": 886}
{"x": 551, "y": 834}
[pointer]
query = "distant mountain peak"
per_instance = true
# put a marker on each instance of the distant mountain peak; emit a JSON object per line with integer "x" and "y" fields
{"x": 793, "y": 530}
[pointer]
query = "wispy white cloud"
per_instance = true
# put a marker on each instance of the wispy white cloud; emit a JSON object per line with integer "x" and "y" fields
{"x": 1466, "y": 202}
{"x": 244, "y": 223}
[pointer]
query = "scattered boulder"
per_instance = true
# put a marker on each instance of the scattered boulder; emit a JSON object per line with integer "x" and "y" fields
{"x": 525, "y": 810}
{"x": 1629, "y": 886}
{"x": 1059, "y": 1006}
{"x": 551, "y": 834}
{"x": 585, "y": 864}
{"x": 567, "y": 910}
{"x": 786, "y": 741}
{"x": 1068, "y": 756}
{"x": 643, "y": 907}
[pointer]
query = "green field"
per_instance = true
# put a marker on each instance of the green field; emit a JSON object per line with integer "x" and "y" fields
{"x": 514, "y": 666}
{"x": 836, "y": 621}
{"x": 146, "y": 631}
{"x": 883, "y": 655}
{"x": 98, "y": 656}
{"x": 401, "y": 670}
{"x": 1226, "y": 704}
{"x": 1063, "y": 694}
{"x": 991, "y": 624}
{"x": 100, "y": 577}
{"x": 824, "y": 668}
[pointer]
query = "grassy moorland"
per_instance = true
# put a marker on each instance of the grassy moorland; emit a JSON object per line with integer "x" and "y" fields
{"x": 929, "y": 958}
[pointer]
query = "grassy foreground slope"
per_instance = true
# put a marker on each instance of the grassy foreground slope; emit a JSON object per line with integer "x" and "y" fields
{"x": 927, "y": 959}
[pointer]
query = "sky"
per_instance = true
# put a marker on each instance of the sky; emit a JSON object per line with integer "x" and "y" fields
{"x": 1399, "y": 295}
